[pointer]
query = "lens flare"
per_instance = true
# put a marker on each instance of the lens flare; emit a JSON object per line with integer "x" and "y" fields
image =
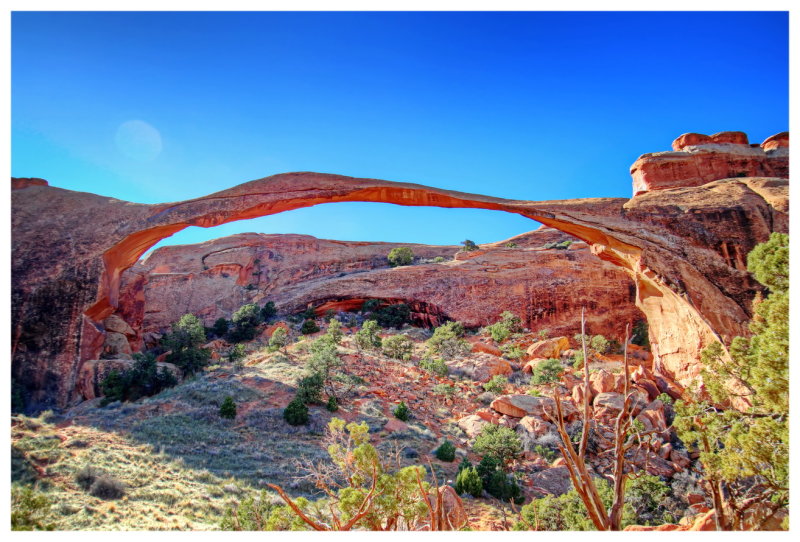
{"x": 138, "y": 140}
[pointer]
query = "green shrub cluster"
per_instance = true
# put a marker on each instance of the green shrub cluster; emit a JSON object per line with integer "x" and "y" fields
{"x": 367, "y": 337}
{"x": 309, "y": 326}
{"x": 497, "y": 482}
{"x": 142, "y": 380}
{"x": 447, "y": 341}
{"x": 499, "y": 442}
{"x": 29, "y": 510}
{"x": 468, "y": 480}
{"x": 392, "y": 315}
{"x": 563, "y": 245}
{"x": 446, "y": 452}
{"x": 398, "y": 347}
{"x": 469, "y": 246}
{"x": 400, "y": 256}
{"x": 184, "y": 343}
{"x": 508, "y": 324}
{"x": 546, "y": 372}
{"x": 296, "y": 412}
{"x": 497, "y": 384}
{"x": 402, "y": 412}
{"x": 435, "y": 366}
{"x": 228, "y": 408}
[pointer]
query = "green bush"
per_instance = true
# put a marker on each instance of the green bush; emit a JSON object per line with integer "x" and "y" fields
{"x": 400, "y": 256}
{"x": 641, "y": 334}
{"x": 497, "y": 384}
{"x": 228, "y": 408}
{"x": 510, "y": 244}
{"x": 469, "y": 482}
{"x": 279, "y": 338}
{"x": 245, "y": 321}
{"x": 236, "y": 354}
{"x": 184, "y": 343}
{"x": 447, "y": 390}
{"x": 332, "y": 405}
{"x": 447, "y": 342}
{"x": 29, "y": 510}
{"x": 251, "y": 514}
{"x": 438, "y": 259}
{"x": 546, "y": 453}
{"x": 142, "y": 380}
{"x": 512, "y": 351}
{"x": 508, "y": 324}
{"x": 577, "y": 360}
{"x": 469, "y": 246}
{"x": 309, "y": 388}
{"x": 392, "y": 315}
{"x": 398, "y": 347}
{"x": 367, "y": 337}
{"x": 497, "y": 482}
{"x": 309, "y": 327}
{"x": 446, "y": 452}
{"x": 546, "y": 372}
{"x": 334, "y": 332}
{"x": 401, "y": 412}
{"x": 296, "y": 412}
{"x": 268, "y": 311}
{"x": 499, "y": 442}
{"x": 221, "y": 326}
{"x": 435, "y": 366}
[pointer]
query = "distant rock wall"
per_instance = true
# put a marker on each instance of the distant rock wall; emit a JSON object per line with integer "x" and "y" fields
{"x": 545, "y": 287}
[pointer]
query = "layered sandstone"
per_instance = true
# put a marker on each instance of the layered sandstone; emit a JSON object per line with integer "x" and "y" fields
{"x": 697, "y": 159}
{"x": 683, "y": 247}
{"x": 545, "y": 287}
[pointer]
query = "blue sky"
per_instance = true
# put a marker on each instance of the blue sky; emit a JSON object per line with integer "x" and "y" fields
{"x": 155, "y": 107}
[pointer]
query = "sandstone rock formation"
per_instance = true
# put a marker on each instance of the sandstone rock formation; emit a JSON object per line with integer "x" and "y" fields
{"x": 683, "y": 247}
{"x": 546, "y": 287}
{"x": 697, "y": 159}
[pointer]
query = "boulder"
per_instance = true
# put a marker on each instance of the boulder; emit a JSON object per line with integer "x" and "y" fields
{"x": 554, "y": 481}
{"x": 481, "y": 367}
{"x": 116, "y": 345}
{"x": 116, "y": 324}
{"x": 486, "y": 348}
{"x": 472, "y": 425}
{"x": 653, "y": 418}
{"x": 519, "y": 406}
{"x": 608, "y": 403}
{"x": 602, "y": 381}
{"x": 531, "y": 429}
{"x": 548, "y": 348}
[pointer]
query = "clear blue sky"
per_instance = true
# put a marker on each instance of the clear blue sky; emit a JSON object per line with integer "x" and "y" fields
{"x": 155, "y": 107}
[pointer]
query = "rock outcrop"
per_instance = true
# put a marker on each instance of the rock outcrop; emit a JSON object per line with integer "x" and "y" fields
{"x": 683, "y": 247}
{"x": 546, "y": 287}
{"x": 697, "y": 159}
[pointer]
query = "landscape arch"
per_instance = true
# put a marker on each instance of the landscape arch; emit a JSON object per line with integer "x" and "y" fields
{"x": 690, "y": 295}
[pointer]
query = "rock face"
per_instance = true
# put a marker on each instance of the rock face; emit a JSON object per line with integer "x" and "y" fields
{"x": 545, "y": 287}
{"x": 683, "y": 247}
{"x": 697, "y": 159}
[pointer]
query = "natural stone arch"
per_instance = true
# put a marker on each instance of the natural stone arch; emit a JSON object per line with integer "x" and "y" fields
{"x": 689, "y": 293}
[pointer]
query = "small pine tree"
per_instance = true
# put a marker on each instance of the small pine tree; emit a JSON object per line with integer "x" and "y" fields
{"x": 296, "y": 412}
{"x": 332, "y": 405}
{"x": 401, "y": 411}
{"x": 446, "y": 452}
{"x": 468, "y": 481}
{"x": 228, "y": 408}
{"x": 309, "y": 327}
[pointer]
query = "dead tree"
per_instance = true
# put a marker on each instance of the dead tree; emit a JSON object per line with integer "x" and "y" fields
{"x": 611, "y": 519}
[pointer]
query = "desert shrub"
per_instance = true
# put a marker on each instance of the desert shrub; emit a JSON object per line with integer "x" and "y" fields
{"x": 499, "y": 442}
{"x": 367, "y": 337}
{"x": 468, "y": 481}
{"x": 563, "y": 245}
{"x": 438, "y": 259}
{"x": 296, "y": 412}
{"x": 309, "y": 327}
{"x": 107, "y": 487}
{"x": 279, "y": 338}
{"x": 221, "y": 326}
{"x": 142, "y": 380}
{"x": 546, "y": 372}
{"x": 398, "y": 347}
{"x": 577, "y": 360}
{"x": 598, "y": 343}
{"x": 309, "y": 388}
{"x": 29, "y": 510}
{"x": 533, "y": 392}
{"x": 548, "y": 454}
{"x": 510, "y": 244}
{"x": 251, "y": 514}
{"x": 469, "y": 246}
{"x": 446, "y": 452}
{"x": 184, "y": 343}
{"x": 508, "y": 324}
{"x": 400, "y": 256}
{"x": 497, "y": 384}
{"x": 332, "y": 405}
{"x": 497, "y": 482}
{"x": 447, "y": 342}
{"x": 86, "y": 477}
{"x": 512, "y": 351}
{"x": 392, "y": 315}
{"x": 228, "y": 408}
{"x": 444, "y": 389}
{"x": 236, "y": 354}
{"x": 268, "y": 311}
{"x": 436, "y": 366}
{"x": 245, "y": 321}
{"x": 401, "y": 411}
{"x": 334, "y": 332}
